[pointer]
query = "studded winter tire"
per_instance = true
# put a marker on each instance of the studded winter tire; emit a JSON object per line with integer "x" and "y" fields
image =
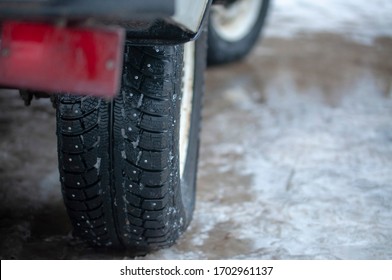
{"x": 128, "y": 166}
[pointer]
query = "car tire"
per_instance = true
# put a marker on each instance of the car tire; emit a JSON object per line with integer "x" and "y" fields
{"x": 234, "y": 29}
{"x": 128, "y": 166}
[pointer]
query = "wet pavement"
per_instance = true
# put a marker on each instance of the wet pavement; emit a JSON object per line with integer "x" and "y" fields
{"x": 296, "y": 154}
{"x": 295, "y": 160}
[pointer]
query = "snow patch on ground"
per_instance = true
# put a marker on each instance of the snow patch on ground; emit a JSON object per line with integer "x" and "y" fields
{"x": 324, "y": 182}
{"x": 359, "y": 19}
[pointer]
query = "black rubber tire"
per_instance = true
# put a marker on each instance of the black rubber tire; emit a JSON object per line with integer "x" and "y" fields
{"x": 119, "y": 160}
{"x": 221, "y": 51}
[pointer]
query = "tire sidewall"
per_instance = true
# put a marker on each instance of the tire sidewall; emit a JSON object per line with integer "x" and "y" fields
{"x": 188, "y": 182}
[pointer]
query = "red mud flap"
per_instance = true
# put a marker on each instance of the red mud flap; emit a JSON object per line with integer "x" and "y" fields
{"x": 61, "y": 59}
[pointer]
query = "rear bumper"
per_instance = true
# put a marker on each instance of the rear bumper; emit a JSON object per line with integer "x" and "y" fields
{"x": 146, "y": 21}
{"x": 82, "y": 9}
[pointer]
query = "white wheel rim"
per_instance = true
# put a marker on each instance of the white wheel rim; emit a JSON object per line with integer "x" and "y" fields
{"x": 234, "y": 22}
{"x": 186, "y": 103}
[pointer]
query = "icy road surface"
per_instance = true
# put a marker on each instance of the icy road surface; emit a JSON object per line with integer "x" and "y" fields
{"x": 295, "y": 158}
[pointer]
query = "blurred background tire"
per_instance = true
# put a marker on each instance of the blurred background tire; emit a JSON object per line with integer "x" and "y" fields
{"x": 234, "y": 29}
